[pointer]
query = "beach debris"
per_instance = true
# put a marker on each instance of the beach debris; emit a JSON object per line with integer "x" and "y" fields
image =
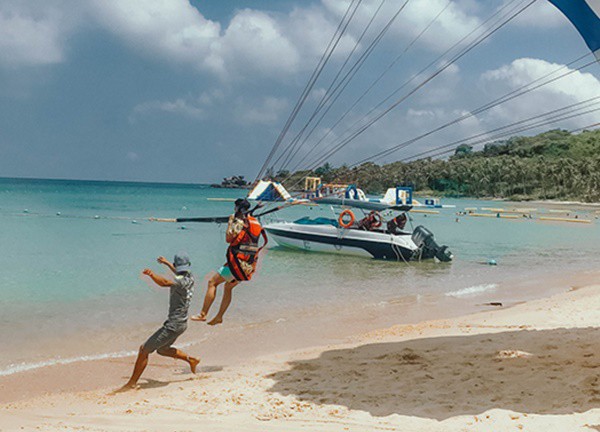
{"x": 511, "y": 354}
{"x": 493, "y": 304}
{"x": 182, "y": 227}
{"x": 492, "y": 262}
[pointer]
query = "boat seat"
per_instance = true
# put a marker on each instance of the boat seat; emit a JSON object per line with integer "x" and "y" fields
{"x": 316, "y": 221}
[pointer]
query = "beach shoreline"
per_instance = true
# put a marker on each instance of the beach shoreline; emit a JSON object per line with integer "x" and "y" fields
{"x": 531, "y": 366}
{"x": 236, "y": 342}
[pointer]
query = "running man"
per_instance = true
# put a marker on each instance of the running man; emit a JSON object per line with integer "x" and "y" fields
{"x": 181, "y": 290}
{"x": 243, "y": 234}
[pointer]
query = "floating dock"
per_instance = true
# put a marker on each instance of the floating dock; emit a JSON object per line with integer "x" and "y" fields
{"x": 424, "y": 211}
{"x": 497, "y": 216}
{"x": 559, "y": 219}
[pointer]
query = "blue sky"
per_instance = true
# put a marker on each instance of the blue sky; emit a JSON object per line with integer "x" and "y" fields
{"x": 191, "y": 91}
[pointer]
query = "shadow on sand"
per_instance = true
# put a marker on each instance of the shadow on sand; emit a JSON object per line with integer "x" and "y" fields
{"x": 448, "y": 376}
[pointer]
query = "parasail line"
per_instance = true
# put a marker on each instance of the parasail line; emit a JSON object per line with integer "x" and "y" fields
{"x": 315, "y": 75}
{"x": 482, "y": 37}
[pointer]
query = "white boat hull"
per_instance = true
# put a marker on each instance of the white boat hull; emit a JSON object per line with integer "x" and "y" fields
{"x": 329, "y": 239}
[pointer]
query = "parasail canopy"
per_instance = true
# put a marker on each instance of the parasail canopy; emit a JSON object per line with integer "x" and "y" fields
{"x": 585, "y": 16}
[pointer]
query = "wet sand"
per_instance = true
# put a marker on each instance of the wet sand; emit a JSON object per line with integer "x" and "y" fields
{"x": 533, "y": 367}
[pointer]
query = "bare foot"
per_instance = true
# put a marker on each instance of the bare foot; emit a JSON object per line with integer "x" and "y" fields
{"x": 126, "y": 387}
{"x": 199, "y": 317}
{"x": 215, "y": 321}
{"x": 194, "y": 362}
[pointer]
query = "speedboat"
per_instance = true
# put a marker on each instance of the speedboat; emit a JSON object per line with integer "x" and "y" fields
{"x": 350, "y": 238}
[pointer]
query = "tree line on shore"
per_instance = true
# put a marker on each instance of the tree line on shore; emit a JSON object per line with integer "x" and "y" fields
{"x": 555, "y": 165}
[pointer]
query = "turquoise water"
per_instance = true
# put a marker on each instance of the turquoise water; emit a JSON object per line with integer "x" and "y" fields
{"x": 78, "y": 273}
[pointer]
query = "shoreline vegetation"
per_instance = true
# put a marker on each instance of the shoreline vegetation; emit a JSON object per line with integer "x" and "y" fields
{"x": 555, "y": 165}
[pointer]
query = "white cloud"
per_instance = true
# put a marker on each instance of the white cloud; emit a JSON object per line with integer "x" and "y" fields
{"x": 173, "y": 29}
{"x": 441, "y": 89}
{"x": 317, "y": 94}
{"x": 311, "y": 29}
{"x": 453, "y": 24}
{"x": 456, "y": 21}
{"x": 255, "y": 42}
{"x": 179, "y": 106}
{"x": 195, "y": 108}
{"x": 576, "y": 87}
{"x": 34, "y": 33}
{"x": 265, "y": 112}
{"x": 540, "y": 15}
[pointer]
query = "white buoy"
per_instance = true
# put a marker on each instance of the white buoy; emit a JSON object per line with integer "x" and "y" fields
{"x": 25, "y": 211}
{"x": 134, "y": 221}
{"x": 96, "y": 217}
{"x": 57, "y": 213}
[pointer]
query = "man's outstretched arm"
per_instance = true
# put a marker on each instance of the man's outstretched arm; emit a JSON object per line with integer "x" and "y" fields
{"x": 158, "y": 279}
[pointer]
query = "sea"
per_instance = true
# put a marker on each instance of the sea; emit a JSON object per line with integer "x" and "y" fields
{"x": 72, "y": 253}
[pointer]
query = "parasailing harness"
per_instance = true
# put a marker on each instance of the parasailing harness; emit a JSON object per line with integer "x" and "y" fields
{"x": 244, "y": 248}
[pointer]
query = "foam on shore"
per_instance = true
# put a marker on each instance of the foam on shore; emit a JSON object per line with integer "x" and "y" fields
{"x": 24, "y": 367}
{"x": 472, "y": 290}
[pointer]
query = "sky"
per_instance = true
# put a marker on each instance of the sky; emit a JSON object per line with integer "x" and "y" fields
{"x": 195, "y": 90}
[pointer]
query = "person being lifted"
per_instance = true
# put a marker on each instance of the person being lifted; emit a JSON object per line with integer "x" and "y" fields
{"x": 243, "y": 235}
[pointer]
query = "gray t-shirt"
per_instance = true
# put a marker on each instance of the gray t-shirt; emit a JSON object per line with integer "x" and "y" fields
{"x": 179, "y": 301}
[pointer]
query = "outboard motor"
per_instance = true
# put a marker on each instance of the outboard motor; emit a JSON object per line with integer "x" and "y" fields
{"x": 423, "y": 238}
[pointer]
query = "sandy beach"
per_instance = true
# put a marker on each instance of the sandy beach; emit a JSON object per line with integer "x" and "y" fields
{"x": 534, "y": 367}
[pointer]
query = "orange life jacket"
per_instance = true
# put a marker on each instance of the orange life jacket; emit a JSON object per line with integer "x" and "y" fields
{"x": 245, "y": 248}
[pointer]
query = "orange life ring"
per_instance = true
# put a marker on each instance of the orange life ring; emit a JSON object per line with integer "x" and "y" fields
{"x": 348, "y": 224}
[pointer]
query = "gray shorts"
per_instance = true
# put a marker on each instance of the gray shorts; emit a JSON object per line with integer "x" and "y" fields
{"x": 162, "y": 338}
